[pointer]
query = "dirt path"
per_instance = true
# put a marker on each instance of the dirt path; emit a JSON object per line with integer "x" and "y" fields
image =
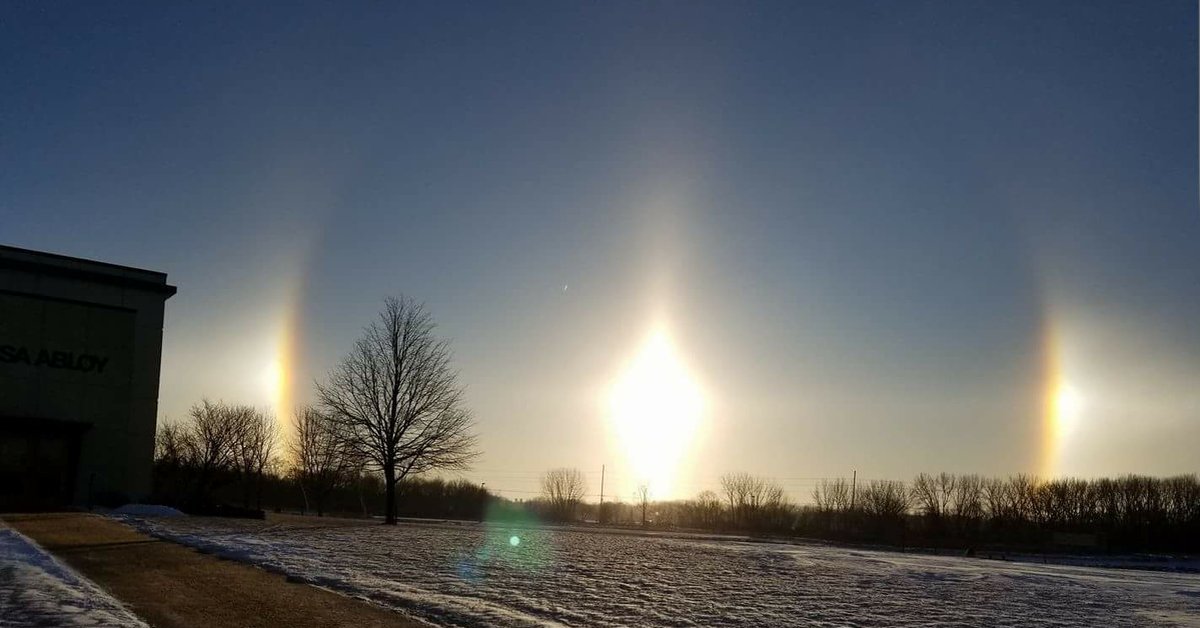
{"x": 172, "y": 586}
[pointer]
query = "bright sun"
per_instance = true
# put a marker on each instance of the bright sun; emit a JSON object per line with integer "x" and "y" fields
{"x": 1067, "y": 406}
{"x": 273, "y": 379}
{"x": 656, "y": 408}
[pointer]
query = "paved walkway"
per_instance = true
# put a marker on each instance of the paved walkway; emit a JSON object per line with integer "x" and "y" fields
{"x": 171, "y": 586}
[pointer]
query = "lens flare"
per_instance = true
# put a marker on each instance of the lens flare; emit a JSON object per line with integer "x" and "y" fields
{"x": 512, "y": 540}
{"x": 656, "y": 407}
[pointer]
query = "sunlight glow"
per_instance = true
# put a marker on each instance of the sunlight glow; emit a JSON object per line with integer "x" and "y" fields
{"x": 1063, "y": 405}
{"x": 1067, "y": 406}
{"x": 274, "y": 379}
{"x": 656, "y": 408}
{"x": 281, "y": 372}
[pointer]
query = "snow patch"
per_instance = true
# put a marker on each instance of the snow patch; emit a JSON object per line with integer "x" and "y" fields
{"x": 471, "y": 576}
{"x": 37, "y": 590}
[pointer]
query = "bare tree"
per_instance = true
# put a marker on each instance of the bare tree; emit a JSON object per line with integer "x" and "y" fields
{"x": 174, "y": 466}
{"x": 967, "y": 502}
{"x": 742, "y": 491}
{"x": 172, "y": 446}
{"x": 832, "y": 495}
{"x": 885, "y": 499}
{"x": 708, "y": 506}
{"x": 774, "y": 510}
{"x": 642, "y": 494}
{"x": 1021, "y": 490}
{"x": 214, "y": 430}
{"x": 398, "y": 401}
{"x": 1183, "y": 498}
{"x": 754, "y": 501}
{"x": 996, "y": 500}
{"x": 320, "y": 457}
{"x": 563, "y": 489}
{"x": 933, "y": 493}
{"x": 253, "y": 445}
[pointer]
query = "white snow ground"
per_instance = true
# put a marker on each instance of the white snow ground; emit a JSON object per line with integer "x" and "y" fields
{"x": 37, "y": 590}
{"x": 495, "y": 575}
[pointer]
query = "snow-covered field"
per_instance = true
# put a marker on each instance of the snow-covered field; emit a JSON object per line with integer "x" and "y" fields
{"x": 504, "y": 575}
{"x": 37, "y": 590}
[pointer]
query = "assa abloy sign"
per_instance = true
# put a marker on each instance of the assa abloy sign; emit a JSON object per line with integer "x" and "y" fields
{"x": 66, "y": 360}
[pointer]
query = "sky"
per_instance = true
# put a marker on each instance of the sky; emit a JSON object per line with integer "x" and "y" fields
{"x": 819, "y": 238}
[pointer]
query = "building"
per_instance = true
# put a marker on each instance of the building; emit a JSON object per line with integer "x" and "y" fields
{"x": 80, "y": 349}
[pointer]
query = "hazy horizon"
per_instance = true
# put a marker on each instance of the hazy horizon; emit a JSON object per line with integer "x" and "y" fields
{"x": 924, "y": 237}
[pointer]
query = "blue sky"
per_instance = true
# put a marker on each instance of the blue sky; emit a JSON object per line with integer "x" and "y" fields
{"x": 857, "y": 221}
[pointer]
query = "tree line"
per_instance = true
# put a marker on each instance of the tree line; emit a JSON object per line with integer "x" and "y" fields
{"x": 229, "y": 459}
{"x": 1130, "y": 512}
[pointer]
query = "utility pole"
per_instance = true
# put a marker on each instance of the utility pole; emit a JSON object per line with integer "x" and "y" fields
{"x": 853, "y": 488}
{"x": 601, "y": 515}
